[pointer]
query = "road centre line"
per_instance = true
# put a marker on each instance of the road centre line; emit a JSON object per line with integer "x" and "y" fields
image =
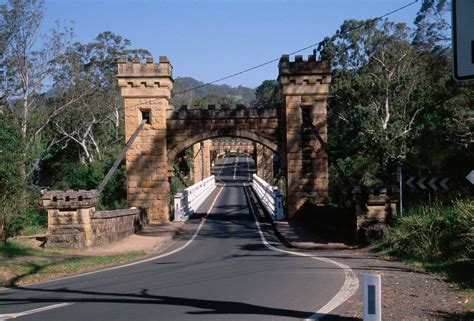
{"x": 222, "y": 166}
{"x": 235, "y": 165}
{"x": 46, "y": 308}
{"x": 348, "y": 289}
{"x": 248, "y": 167}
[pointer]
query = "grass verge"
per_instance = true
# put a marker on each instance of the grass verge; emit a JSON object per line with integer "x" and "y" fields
{"x": 439, "y": 240}
{"x": 33, "y": 230}
{"x": 22, "y": 264}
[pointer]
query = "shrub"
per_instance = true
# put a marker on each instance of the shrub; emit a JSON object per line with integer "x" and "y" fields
{"x": 433, "y": 234}
{"x": 12, "y": 186}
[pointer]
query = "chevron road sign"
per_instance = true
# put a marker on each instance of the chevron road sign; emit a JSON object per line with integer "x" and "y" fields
{"x": 421, "y": 184}
{"x": 433, "y": 183}
{"x": 443, "y": 183}
{"x": 470, "y": 177}
{"x": 410, "y": 181}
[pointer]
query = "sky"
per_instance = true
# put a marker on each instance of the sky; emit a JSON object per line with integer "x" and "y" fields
{"x": 210, "y": 39}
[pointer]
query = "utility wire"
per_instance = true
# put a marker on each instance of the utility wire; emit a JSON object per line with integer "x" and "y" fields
{"x": 291, "y": 53}
{"x": 299, "y": 50}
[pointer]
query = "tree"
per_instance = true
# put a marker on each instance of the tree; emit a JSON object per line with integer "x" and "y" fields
{"x": 94, "y": 120}
{"x": 268, "y": 94}
{"x": 433, "y": 31}
{"x": 12, "y": 187}
{"x": 373, "y": 95}
{"x": 30, "y": 66}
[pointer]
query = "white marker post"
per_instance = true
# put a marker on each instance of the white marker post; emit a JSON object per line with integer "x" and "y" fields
{"x": 372, "y": 297}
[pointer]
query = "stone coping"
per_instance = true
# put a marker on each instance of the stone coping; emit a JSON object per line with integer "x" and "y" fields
{"x": 70, "y": 199}
{"x": 115, "y": 213}
{"x": 118, "y": 213}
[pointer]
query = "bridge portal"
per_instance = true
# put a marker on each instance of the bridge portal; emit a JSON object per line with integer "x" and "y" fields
{"x": 284, "y": 130}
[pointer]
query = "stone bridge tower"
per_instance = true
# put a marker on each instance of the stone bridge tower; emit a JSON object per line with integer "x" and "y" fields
{"x": 305, "y": 87}
{"x": 146, "y": 89}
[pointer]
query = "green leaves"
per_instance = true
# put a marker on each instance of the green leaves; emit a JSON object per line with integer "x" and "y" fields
{"x": 392, "y": 101}
{"x": 432, "y": 234}
{"x": 268, "y": 94}
{"x": 12, "y": 187}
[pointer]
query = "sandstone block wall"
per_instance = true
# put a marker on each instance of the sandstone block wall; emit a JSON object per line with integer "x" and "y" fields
{"x": 69, "y": 223}
{"x": 112, "y": 226}
{"x": 197, "y": 163}
{"x": 202, "y": 160}
{"x": 305, "y": 85}
{"x": 74, "y": 223}
{"x": 264, "y": 162}
{"x": 146, "y": 89}
{"x": 375, "y": 208}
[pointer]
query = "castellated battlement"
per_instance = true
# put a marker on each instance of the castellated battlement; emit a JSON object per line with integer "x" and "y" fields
{"x": 301, "y": 66}
{"x": 70, "y": 199}
{"x": 153, "y": 79}
{"x": 135, "y": 68}
{"x": 304, "y": 77}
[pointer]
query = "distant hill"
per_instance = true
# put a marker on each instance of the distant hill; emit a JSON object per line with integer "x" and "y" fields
{"x": 212, "y": 94}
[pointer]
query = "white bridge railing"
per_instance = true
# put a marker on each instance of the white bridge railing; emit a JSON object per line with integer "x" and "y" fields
{"x": 270, "y": 197}
{"x": 188, "y": 201}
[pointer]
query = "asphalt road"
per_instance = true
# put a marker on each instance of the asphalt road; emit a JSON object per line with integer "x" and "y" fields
{"x": 224, "y": 272}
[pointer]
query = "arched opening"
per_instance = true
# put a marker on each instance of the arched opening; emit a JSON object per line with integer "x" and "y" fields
{"x": 241, "y": 154}
{"x": 190, "y": 141}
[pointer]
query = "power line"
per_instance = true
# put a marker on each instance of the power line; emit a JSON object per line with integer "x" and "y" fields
{"x": 299, "y": 50}
{"x": 291, "y": 53}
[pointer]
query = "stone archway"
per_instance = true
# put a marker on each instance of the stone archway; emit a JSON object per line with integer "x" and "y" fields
{"x": 146, "y": 89}
{"x": 190, "y": 141}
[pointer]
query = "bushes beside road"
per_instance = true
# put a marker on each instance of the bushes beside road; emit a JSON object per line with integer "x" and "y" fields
{"x": 437, "y": 239}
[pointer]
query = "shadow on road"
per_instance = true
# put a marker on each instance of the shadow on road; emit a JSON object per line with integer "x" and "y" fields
{"x": 212, "y": 307}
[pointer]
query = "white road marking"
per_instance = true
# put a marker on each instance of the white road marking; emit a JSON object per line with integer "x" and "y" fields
{"x": 144, "y": 260}
{"x": 248, "y": 167}
{"x": 235, "y": 165}
{"x": 20, "y": 314}
{"x": 351, "y": 282}
{"x": 222, "y": 167}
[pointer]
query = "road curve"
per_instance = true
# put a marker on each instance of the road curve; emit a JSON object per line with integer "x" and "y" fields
{"x": 224, "y": 272}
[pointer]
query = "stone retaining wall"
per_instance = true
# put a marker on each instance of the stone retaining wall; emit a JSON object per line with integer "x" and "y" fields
{"x": 74, "y": 223}
{"x": 111, "y": 226}
{"x": 375, "y": 208}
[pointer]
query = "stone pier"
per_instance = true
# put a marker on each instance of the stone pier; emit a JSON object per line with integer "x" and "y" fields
{"x": 305, "y": 87}
{"x": 202, "y": 160}
{"x": 264, "y": 162}
{"x": 146, "y": 89}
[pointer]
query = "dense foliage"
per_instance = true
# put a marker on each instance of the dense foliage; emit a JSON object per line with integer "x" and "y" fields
{"x": 435, "y": 233}
{"x": 394, "y": 103}
{"x": 439, "y": 238}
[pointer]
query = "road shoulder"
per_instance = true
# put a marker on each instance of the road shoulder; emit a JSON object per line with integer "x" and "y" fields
{"x": 406, "y": 294}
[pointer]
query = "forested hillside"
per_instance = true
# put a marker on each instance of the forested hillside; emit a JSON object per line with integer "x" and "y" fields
{"x": 210, "y": 94}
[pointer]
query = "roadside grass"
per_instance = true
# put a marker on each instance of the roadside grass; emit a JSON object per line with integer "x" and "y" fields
{"x": 22, "y": 264}
{"x": 437, "y": 239}
{"x": 33, "y": 230}
{"x": 13, "y": 249}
